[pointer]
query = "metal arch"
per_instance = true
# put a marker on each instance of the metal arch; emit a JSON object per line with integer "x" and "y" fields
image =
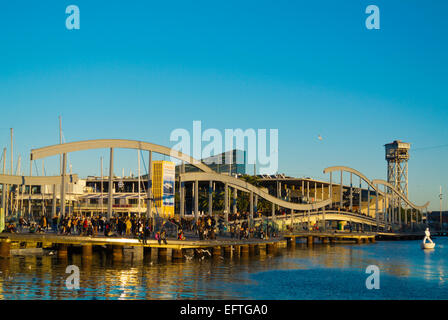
{"x": 206, "y": 176}
{"x": 356, "y": 172}
{"x": 402, "y": 196}
{"x": 35, "y": 181}
{"x": 114, "y": 143}
{"x": 375, "y": 182}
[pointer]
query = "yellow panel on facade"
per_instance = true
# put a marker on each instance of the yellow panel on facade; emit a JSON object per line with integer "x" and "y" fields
{"x": 163, "y": 187}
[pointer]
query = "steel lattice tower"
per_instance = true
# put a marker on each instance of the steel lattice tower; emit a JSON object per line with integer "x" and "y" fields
{"x": 397, "y": 156}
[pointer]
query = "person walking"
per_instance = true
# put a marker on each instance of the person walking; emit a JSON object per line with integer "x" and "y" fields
{"x": 163, "y": 236}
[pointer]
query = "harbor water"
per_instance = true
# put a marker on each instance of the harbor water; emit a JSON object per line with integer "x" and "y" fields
{"x": 326, "y": 271}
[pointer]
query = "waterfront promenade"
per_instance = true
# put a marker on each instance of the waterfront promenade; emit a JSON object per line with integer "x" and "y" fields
{"x": 14, "y": 243}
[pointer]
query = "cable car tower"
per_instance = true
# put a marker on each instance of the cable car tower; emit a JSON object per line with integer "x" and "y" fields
{"x": 397, "y": 156}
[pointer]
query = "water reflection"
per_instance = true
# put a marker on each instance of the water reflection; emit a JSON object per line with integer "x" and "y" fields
{"x": 43, "y": 277}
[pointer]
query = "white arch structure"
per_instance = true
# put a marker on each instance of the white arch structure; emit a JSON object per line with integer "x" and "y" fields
{"x": 374, "y": 185}
{"x": 207, "y": 174}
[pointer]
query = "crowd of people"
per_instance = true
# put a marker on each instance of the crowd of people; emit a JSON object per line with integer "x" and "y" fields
{"x": 205, "y": 227}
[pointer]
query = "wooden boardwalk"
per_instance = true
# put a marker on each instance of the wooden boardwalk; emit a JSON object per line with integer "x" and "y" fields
{"x": 175, "y": 248}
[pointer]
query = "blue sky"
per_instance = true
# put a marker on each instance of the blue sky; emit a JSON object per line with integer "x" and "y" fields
{"x": 307, "y": 68}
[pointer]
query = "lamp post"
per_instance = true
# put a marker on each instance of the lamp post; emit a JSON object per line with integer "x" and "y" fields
{"x": 440, "y": 196}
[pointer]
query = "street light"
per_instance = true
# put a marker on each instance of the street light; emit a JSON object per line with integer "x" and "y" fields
{"x": 441, "y": 221}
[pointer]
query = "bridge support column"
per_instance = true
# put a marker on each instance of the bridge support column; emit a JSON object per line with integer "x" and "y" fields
{"x": 5, "y": 248}
{"x": 63, "y": 170}
{"x": 324, "y": 240}
{"x": 251, "y": 209}
{"x": 309, "y": 241}
{"x": 216, "y": 251}
{"x": 149, "y": 191}
{"x": 271, "y": 247}
{"x": 235, "y": 192}
{"x": 162, "y": 253}
{"x": 228, "y": 251}
{"x": 358, "y": 240}
{"x": 87, "y": 251}
{"x": 210, "y": 198}
{"x": 62, "y": 250}
{"x": 117, "y": 252}
{"x": 252, "y": 249}
{"x": 177, "y": 254}
{"x": 138, "y": 253}
{"x": 111, "y": 186}
{"x": 237, "y": 250}
{"x": 196, "y": 200}
{"x": 245, "y": 250}
{"x": 226, "y": 204}
{"x": 372, "y": 239}
{"x": 291, "y": 242}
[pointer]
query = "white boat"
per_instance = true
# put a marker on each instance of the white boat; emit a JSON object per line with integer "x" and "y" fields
{"x": 427, "y": 245}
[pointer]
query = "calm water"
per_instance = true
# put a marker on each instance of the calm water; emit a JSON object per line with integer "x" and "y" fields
{"x": 324, "y": 272}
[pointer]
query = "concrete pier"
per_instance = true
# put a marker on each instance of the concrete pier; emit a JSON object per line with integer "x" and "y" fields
{"x": 117, "y": 252}
{"x": 178, "y": 254}
{"x": 271, "y": 247}
{"x": 245, "y": 250}
{"x": 62, "y": 250}
{"x": 237, "y": 250}
{"x": 291, "y": 242}
{"x": 228, "y": 252}
{"x": 216, "y": 251}
{"x": 87, "y": 251}
{"x": 137, "y": 253}
{"x": 252, "y": 249}
{"x": 5, "y": 248}
{"x": 309, "y": 241}
{"x": 162, "y": 253}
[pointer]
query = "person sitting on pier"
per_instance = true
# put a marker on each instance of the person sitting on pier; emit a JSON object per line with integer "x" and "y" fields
{"x": 180, "y": 235}
{"x": 11, "y": 228}
{"x": 32, "y": 228}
